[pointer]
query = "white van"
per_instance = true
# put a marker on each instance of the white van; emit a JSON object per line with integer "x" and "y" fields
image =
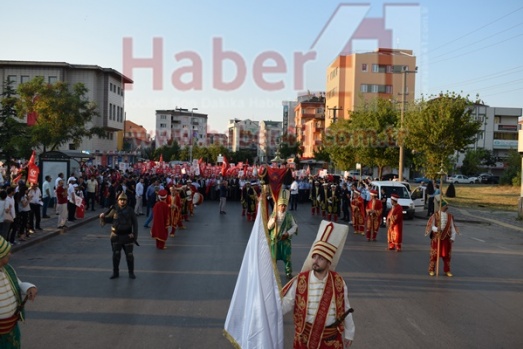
{"x": 399, "y": 189}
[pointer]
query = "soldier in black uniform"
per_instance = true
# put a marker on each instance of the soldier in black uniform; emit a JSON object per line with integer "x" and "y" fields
{"x": 124, "y": 233}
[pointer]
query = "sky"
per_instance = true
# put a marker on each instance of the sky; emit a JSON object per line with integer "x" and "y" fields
{"x": 241, "y": 59}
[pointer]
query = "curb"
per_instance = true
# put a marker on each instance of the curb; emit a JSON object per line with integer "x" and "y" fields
{"x": 43, "y": 236}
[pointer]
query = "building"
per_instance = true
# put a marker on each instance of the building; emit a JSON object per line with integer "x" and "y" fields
{"x": 499, "y": 133}
{"x": 136, "y": 137}
{"x": 309, "y": 115}
{"x": 351, "y": 79}
{"x": 218, "y": 139}
{"x": 105, "y": 87}
{"x": 243, "y": 135}
{"x": 288, "y": 124}
{"x": 184, "y": 126}
{"x": 270, "y": 137}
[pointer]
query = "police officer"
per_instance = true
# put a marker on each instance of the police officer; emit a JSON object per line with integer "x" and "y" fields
{"x": 124, "y": 233}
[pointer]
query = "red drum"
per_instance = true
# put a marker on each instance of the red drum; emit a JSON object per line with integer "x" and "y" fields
{"x": 197, "y": 199}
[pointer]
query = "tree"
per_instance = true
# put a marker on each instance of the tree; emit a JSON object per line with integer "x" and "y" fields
{"x": 439, "y": 127}
{"x": 512, "y": 173}
{"x": 369, "y": 137}
{"x": 475, "y": 159}
{"x": 14, "y": 133}
{"x": 63, "y": 114}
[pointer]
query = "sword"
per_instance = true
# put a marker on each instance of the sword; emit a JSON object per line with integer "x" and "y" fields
{"x": 341, "y": 318}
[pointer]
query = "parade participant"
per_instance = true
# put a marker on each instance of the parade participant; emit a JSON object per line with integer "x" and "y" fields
{"x": 282, "y": 227}
{"x": 251, "y": 200}
{"x": 161, "y": 220}
{"x": 243, "y": 195}
{"x": 190, "y": 191}
{"x": 175, "y": 206}
{"x": 345, "y": 202}
{"x": 61, "y": 203}
{"x": 384, "y": 210}
{"x": 441, "y": 227}
{"x": 13, "y": 295}
{"x": 395, "y": 224}
{"x": 324, "y": 196}
{"x": 138, "y": 209}
{"x": 333, "y": 204}
{"x": 185, "y": 207}
{"x": 124, "y": 234}
{"x": 314, "y": 197}
{"x": 358, "y": 212}
{"x": 223, "y": 190}
{"x": 373, "y": 210}
{"x": 318, "y": 297}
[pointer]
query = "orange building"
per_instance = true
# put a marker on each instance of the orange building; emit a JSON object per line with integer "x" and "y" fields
{"x": 354, "y": 78}
{"x": 309, "y": 116}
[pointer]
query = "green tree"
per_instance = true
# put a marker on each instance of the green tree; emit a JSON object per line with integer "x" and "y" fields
{"x": 475, "y": 160}
{"x": 64, "y": 113}
{"x": 14, "y": 133}
{"x": 439, "y": 127}
{"x": 512, "y": 172}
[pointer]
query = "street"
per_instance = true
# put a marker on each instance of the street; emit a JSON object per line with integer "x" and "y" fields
{"x": 181, "y": 295}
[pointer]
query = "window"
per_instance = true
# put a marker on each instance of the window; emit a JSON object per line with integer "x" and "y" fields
{"x": 52, "y": 80}
{"x": 374, "y": 88}
{"x": 364, "y": 88}
{"x": 118, "y": 89}
{"x": 163, "y": 125}
{"x": 378, "y": 68}
{"x": 364, "y": 67}
{"x": 12, "y": 79}
{"x": 163, "y": 117}
{"x": 110, "y": 111}
{"x": 24, "y": 79}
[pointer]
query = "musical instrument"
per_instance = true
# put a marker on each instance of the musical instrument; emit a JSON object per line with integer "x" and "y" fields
{"x": 197, "y": 199}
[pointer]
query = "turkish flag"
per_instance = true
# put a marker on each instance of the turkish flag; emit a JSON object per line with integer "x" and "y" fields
{"x": 225, "y": 165}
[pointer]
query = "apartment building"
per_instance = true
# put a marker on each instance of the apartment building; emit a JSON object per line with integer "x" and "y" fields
{"x": 181, "y": 125}
{"x": 309, "y": 115}
{"x": 498, "y": 133}
{"x": 106, "y": 88}
{"x": 351, "y": 79}
{"x": 243, "y": 135}
{"x": 270, "y": 137}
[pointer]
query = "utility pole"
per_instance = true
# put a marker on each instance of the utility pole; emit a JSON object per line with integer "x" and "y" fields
{"x": 403, "y": 104}
{"x": 334, "y": 110}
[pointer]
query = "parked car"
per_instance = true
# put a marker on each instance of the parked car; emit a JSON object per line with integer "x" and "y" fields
{"x": 393, "y": 187}
{"x": 421, "y": 180}
{"x": 475, "y": 179}
{"x": 460, "y": 179}
{"x": 488, "y": 178}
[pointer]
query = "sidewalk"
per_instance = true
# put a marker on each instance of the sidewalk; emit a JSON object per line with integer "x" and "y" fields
{"x": 49, "y": 227}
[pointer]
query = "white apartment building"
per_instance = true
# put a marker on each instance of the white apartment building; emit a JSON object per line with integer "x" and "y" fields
{"x": 270, "y": 137}
{"x": 181, "y": 125}
{"x": 243, "y": 135}
{"x": 105, "y": 88}
{"x": 499, "y": 133}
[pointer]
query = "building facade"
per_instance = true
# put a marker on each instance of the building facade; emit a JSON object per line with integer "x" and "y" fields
{"x": 498, "y": 133}
{"x": 218, "y": 139}
{"x": 105, "y": 87}
{"x": 270, "y": 138}
{"x": 181, "y": 125}
{"x": 354, "y": 78}
{"x": 243, "y": 135}
{"x": 309, "y": 115}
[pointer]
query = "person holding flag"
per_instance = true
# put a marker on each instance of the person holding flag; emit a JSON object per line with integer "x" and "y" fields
{"x": 282, "y": 227}
{"x": 442, "y": 232}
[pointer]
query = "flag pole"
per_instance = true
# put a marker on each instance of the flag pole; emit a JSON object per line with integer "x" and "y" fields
{"x": 441, "y": 174}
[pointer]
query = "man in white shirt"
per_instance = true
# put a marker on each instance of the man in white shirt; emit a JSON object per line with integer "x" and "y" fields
{"x": 71, "y": 199}
{"x": 92, "y": 189}
{"x": 294, "y": 195}
{"x": 46, "y": 195}
{"x": 138, "y": 208}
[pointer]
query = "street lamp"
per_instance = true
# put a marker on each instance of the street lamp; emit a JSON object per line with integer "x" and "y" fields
{"x": 191, "y": 136}
{"x": 405, "y": 71}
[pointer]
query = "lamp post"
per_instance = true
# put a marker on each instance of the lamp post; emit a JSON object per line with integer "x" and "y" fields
{"x": 405, "y": 71}
{"x": 191, "y": 140}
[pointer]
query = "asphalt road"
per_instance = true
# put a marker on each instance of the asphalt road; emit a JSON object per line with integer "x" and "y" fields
{"x": 181, "y": 295}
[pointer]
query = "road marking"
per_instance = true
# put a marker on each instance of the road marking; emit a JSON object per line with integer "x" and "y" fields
{"x": 506, "y": 225}
{"x": 477, "y": 239}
